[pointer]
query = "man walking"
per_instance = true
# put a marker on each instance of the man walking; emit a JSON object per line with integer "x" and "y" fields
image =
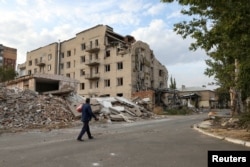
{"x": 87, "y": 115}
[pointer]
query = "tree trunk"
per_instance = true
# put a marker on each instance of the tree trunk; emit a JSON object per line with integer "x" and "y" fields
{"x": 235, "y": 94}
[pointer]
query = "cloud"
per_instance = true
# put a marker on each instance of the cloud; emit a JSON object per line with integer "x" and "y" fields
{"x": 156, "y": 9}
{"x": 190, "y": 74}
{"x": 131, "y": 5}
{"x": 168, "y": 47}
{"x": 22, "y": 2}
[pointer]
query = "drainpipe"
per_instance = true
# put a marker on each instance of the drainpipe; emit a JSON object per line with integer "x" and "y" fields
{"x": 58, "y": 57}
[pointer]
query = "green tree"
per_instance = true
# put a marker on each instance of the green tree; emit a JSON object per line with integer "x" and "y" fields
{"x": 7, "y": 74}
{"x": 223, "y": 97}
{"x": 172, "y": 83}
{"x": 221, "y": 28}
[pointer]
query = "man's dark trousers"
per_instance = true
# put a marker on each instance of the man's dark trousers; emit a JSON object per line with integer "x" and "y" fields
{"x": 85, "y": 128}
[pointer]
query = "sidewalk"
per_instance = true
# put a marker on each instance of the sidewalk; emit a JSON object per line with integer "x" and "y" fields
{"x": 206, "y": 125}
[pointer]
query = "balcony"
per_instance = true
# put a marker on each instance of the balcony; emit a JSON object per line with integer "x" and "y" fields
{"x": 92, "y": 49}
{"x": 92, "y": 62}
{"x": 122, "y": 51}
{"x": 41, "y": 63}
{"x": 92, "y": 76}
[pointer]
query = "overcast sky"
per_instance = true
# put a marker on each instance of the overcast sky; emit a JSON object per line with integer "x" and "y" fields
{"x": 29, "y": 24}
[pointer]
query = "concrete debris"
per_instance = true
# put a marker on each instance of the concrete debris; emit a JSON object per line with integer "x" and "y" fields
{"x": 122, "y": 109}
{"x": 26, "y": 109}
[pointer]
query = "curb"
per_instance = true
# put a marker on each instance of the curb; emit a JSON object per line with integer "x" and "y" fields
{"x": 232, "y": 140}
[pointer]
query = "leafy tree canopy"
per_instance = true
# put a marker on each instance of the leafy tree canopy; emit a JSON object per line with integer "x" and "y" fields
{"x": 221, "y": 28}
{"x": 7, "y": 74}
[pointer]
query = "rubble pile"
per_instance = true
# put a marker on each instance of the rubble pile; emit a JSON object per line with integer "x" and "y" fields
{"x": 27, "y": 109}
{"x": 24, "y": 109}
{"x": 122, "y": 109}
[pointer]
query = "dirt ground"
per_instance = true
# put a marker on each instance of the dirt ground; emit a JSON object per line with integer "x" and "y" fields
{"x": 241, "y": 134}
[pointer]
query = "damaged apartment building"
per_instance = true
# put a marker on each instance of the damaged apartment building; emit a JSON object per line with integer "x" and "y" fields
{"x": 103, "y": 62}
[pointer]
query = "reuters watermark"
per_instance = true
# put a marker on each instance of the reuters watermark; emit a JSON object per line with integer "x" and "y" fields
{"x": 229, "y": 158}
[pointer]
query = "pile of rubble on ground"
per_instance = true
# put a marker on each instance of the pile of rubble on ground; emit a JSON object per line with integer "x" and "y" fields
{"x": 114, "y": 108}
{"x": 28, "y": 109}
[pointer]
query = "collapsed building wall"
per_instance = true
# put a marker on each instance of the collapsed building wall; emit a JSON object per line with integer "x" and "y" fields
{"x": 43, "y": 83}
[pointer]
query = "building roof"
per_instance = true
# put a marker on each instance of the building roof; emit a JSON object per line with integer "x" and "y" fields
{"x": 190, "y": 95}
{"x": 192, "y": 89}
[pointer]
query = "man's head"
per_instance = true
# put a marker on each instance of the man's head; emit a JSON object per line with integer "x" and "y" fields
{"x": 87, "y": 100}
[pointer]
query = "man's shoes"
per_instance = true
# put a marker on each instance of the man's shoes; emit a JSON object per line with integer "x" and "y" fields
{"x": 91, "y": 137}
{"x": 79, "y": 139}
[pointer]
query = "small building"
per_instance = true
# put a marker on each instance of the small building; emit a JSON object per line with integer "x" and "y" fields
{"x": 8, "y": 56}
{"x": 198, "y": 97}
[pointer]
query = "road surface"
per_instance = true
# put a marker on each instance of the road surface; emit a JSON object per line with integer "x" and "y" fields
{"x": 167, "y": 142}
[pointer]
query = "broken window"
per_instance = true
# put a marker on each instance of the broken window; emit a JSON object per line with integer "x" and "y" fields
{"x": 107, "y": 82}
{"x": 119, "y": 81}
{"x": 160, "y": 73}
{"x": 119, "y": 94}
{"x": 141, "y": 66}
{"x": 83, "y": 46}
{"x": 82, "y": 86}
{"x": 119, "y": 65}
{"x": 83, "y": 59}
{"x": 82, "y": 72}
{"x": 107, "y": 53}
{"x": 107, "y": 68}
{"x": 68, "y": 53}
{"x": 96, "y": 42}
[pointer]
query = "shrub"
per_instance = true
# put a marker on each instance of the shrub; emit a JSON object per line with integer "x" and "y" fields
{"x": 181, "y": 111}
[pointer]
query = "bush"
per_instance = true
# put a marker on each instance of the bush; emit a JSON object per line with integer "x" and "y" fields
{"x": 244, "y": 120}
{"x": 182, "y": 111}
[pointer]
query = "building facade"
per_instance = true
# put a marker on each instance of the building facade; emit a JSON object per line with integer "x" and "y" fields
{"x": 198, "y": 97}
{"x": 104, "y": 62}
{"x": 8, "y": 56}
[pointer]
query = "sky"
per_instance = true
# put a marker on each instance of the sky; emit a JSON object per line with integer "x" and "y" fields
{"x": 29, "y": 24}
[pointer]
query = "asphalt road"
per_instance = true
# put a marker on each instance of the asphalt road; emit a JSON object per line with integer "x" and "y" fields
{"x": 168, "y": 142}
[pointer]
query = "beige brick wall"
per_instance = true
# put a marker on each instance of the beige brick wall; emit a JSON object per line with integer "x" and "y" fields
{"x": 46, "y": 57}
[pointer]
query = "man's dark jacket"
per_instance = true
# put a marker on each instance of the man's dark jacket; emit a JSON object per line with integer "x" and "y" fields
{"x": 87, "y": 113}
